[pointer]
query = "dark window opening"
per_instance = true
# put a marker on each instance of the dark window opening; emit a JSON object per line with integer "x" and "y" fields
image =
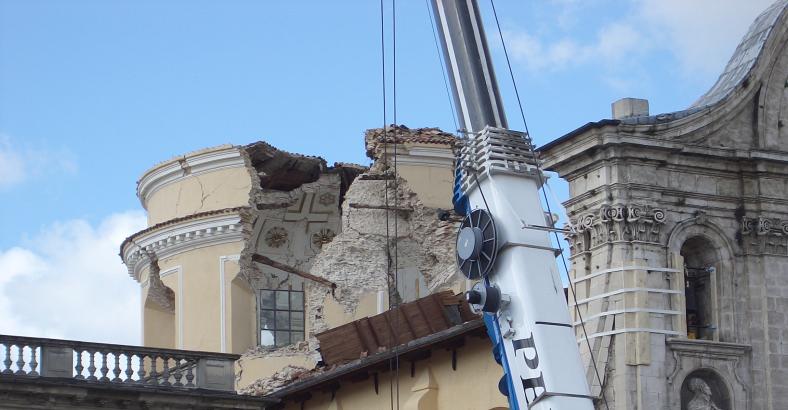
{"x": 696, "y": 292}
{"x": 699, "y": 283}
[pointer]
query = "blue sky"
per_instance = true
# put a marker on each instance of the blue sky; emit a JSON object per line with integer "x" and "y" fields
{"x": 92, "y": 93}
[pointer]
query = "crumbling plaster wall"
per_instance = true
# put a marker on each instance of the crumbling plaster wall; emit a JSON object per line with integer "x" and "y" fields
{"x": 344, "y": 232}
{"x": 357, "y": 260}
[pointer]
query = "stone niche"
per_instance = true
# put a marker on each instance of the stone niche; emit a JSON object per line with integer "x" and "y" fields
{"x": 706, "y": 373}
{"x": 704, "y": 389}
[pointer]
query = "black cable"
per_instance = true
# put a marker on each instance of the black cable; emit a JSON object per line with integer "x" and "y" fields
{"x": 547, "y": 204}
{"x": 396, "y": 195}
{"x": 385, "y": 171}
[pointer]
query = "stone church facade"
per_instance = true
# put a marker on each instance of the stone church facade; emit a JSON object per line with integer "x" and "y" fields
{"x": 679, "y": 239}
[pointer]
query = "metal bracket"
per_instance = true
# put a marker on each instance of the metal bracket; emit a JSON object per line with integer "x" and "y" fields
{"x": 547, "y": 394}
{"x": 546, "y": 228}
{"x": 555, "y": 251}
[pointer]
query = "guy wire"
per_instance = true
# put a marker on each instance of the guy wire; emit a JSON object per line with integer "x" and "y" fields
{"x": 547, "y": 204}
{"x": 396, "y": 195}
{"x": 385, "y": 171}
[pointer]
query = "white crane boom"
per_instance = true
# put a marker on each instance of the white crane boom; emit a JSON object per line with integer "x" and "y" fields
{"x": 504, "y": 240}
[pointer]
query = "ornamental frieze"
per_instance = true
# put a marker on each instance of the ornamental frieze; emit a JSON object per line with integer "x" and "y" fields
{"x": 761, "y": 235}
{"x": 613, "y": 223}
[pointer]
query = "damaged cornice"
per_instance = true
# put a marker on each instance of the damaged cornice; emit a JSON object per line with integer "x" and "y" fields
{"x": 195, "y": 163}
{"x": 377, "y": 138}
{"x": 172, "y": 237}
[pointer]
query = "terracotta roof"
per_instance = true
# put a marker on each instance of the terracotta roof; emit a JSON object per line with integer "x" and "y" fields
{"x": 373, "y": 138}
{"x": 410, "y": 321}
{"x": 311, "y": 380}
{"x": 178, "y": 220}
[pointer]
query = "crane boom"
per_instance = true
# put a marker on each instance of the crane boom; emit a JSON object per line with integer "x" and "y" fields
{"x": 496, "y": 186}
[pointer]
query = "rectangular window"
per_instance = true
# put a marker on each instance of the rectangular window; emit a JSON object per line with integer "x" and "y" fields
{"x": 281, "y": 316}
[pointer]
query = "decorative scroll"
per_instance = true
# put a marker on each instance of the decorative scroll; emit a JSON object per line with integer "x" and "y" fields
{"x": 761, "y": 235}
{"x": 613, "y": 223}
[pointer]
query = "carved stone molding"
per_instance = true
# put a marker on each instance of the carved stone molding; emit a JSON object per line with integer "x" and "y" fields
{"x": 761, "y": 235}
{"x": 182, "y": 236}
{"x": 196, "y": 163}
{"x": 612, "y": 223}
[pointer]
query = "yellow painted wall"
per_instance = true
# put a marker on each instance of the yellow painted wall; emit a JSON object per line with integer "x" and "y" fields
{"x": 473, "y": 386}
{"x": 197, "y": 307}
{"x": 432, "y": 184}
{"x": 240, "y": 315}
{"x": 158, "y": 324}
{"x": 209, "y": 191}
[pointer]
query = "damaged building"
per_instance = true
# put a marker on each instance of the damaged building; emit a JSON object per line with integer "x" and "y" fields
{"x": 678, "y": 254}
{"x": 254, "y": 250}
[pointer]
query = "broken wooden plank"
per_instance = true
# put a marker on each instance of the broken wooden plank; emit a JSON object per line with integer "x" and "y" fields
{"x": 384, "y": 207}
{"x": 256, "y": 257}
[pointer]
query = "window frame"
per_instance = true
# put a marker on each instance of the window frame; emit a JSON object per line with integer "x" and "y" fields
{"x": 294, "y": 334}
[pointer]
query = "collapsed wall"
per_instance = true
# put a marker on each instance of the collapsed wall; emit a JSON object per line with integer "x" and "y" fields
{"x": 355, "y": 239}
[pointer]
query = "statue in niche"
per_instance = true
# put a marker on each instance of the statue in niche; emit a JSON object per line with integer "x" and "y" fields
{"x": 701, "y": 396}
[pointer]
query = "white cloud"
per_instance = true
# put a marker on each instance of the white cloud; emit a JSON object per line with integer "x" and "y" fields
{"x": 68, "y": 282}
{"x": 612, "y": 43}
{"x": 701, "y": 33}
{"x": 12, "y": 168}
{"x": 21, "y": 163}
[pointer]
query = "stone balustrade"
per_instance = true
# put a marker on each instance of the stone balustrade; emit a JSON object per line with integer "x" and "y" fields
{"x": 109, "y": 363}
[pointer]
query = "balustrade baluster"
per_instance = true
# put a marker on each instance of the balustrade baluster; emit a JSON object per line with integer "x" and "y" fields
{"x": 102, "y": 363}
{"x": 116, "y": 368}
{"x": 33, "y": 362}
{"x": 20, "y": 360}
{"x": 153, "y": 373}
{"x": 104, "y": 371}
{"x": 129, "y": 371}
{"x": 190, "y": 364}
{"x": 141, "y": 372}
{"x": 165, "y": 380}
{"x": 178, "y": 374}
{"x": 92, "y": 368}
{"x": 79, "y": 368}
{"x": 7, "y": 362}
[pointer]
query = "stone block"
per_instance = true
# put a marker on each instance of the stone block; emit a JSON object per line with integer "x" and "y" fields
{"x": 216, "y": 374}
{"x": 629, "y": 107}
{"x": 57, "y": 361}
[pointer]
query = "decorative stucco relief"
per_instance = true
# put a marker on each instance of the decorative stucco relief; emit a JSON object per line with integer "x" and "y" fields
{"x": 611, "y": 223}
{"x": 327, "y": 199}
{"x": 323, "y": 237}
{"x": 761, "y": 235}
{"x": 276, "y": 237}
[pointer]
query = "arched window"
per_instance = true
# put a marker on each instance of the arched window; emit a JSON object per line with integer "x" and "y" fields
{"x": 700, "y": 282}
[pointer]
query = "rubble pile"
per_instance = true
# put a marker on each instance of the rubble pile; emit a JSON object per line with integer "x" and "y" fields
{"x": 280, "y": 379}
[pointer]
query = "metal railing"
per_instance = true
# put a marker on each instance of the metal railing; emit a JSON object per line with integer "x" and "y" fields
{"x": 119, "y": 364}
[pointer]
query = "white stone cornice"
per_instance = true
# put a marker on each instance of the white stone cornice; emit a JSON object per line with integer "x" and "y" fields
{"x": 173, "y": 239}
{"x": 200, "y": 162}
